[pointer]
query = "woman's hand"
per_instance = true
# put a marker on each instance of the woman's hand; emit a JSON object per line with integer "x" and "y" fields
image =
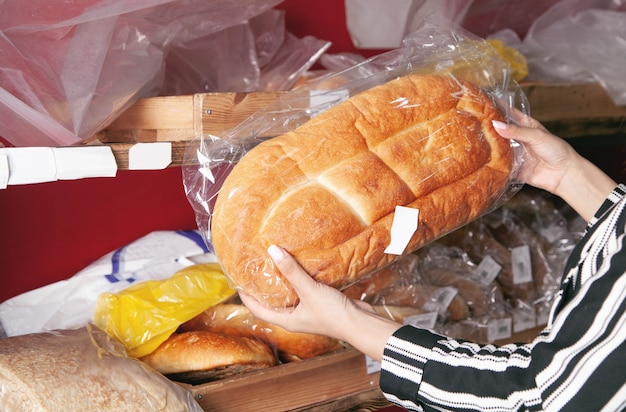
{"x": 552, "y": 164}
{"x": 548, "y": 157}
{"x": 323, "y": 310}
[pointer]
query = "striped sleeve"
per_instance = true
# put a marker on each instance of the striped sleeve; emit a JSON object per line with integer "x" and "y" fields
{"x": 576, "y": 363}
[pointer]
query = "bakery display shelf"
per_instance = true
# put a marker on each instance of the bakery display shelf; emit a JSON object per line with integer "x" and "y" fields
{"x": 568, "y": 110}
{"x": 337, "y": 381}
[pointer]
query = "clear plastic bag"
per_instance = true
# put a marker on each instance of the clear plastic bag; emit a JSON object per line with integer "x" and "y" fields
{"x": 234, "y": 319}
{"x": 434, "y": 49}
{"x": 82, "y": 369}
{"x": 580, "y": 41}
{"x": 67, "y": 72}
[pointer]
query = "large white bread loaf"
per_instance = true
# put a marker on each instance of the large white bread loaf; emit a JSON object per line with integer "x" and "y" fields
{"x": 327, "y": 191}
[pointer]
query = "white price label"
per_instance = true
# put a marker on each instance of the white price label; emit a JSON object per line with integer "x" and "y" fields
{"x": 499, "y": 329}
{"x": 487, "y": 271}
{"x": 440, "y": 299}
{"x": 371, "y": 365}
{"x": 520, "y": 264}
{"x": 403, "y": 226}
{"x": 524, "y": 319}
{"x": 422, "y": 321}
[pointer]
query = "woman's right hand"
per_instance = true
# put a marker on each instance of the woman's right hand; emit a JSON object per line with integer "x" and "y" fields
{"x": 547, "y": 158}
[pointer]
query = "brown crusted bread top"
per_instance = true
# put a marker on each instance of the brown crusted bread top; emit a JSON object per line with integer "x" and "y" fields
{"x": 201, "y": 350}
{"x": 327, "y": 191}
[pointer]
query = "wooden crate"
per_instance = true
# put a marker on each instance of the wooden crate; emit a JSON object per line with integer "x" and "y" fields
{"x": 575, "y": 110}
{"x": 337, "y": 381}
{"x": 567, "y": 110}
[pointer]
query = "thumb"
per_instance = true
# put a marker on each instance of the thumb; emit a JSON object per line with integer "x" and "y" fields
{"x": 523, "y": 134}
{"x": 291, "y": 269}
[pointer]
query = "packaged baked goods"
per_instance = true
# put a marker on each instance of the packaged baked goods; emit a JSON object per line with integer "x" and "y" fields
{"x": 400, "y": 285}
{"x": 201, "y": 356}
{"x": 234, "y": 319}
{"x": 331, "y": 176}
{"x": 82, "y": 370}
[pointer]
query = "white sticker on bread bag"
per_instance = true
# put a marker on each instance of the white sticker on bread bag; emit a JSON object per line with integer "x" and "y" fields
{"x": 402, "y": 228}
{"x": 487, "y": 271}
{"x": 520, "y": 262}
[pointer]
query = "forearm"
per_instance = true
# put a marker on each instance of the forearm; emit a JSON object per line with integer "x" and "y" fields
{"x": 366, "y": 332}
{"x": 585, "y": 187}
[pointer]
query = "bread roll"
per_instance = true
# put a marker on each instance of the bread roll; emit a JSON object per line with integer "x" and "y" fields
{"x": 236, "y": 320}
{"x": 201, "y": 356}
{"x": 327, "y": 191}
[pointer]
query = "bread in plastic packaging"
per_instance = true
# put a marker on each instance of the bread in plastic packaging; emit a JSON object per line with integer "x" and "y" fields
{"x": 81, "y": 370}
{"x": 326, "y": 174}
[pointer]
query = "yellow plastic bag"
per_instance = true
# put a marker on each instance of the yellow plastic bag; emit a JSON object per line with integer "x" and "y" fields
{"x": 519, "y": 65}
{"x": 144, "y": 315}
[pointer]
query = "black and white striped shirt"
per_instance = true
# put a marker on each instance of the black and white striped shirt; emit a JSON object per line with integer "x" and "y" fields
{"x": 577, "y": 363}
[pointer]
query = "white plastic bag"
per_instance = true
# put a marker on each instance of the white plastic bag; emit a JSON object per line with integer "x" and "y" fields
{"x": 580, "y": 41}
{"x": 66, "y": 71}
{"x": 70, "y": 303}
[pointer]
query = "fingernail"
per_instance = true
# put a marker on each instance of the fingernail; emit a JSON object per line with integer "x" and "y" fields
{"x": 276, "y": 253}
{"x": 499, "y": 125}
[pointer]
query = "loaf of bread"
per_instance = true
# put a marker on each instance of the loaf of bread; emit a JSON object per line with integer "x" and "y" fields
{"x": 327, "y": 191}
{"x": 233, "y": 319}
{"x": 200, "y": 356}
{"x": 82, "y": 370}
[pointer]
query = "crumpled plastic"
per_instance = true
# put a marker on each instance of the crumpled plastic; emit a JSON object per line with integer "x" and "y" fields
{"x": 67, "y": 72}
{"x": 576, "y": 41}
{"x": 69, "y": 303}
{"x": 144, "y": 315}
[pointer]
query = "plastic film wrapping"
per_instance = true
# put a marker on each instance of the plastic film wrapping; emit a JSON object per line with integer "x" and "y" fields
{"x": 234, "y": 319}
{"x": 81, "y": 369}
{"x": 144, "y": 315}
{"x": 416, "y": 123}
{"x": 464, "y": 284}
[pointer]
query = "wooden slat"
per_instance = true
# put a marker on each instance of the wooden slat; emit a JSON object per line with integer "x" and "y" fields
{"x": 334, "y": 382}
{"x": 577, "y": 110}
{"x": 292, "y": 386}
{"x": 181, "y": 118}
{"x": 223, "y": 111}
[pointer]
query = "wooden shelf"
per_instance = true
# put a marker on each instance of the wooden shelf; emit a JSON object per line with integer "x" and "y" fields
{"x": 568, "y": 110}
{"x": 337, "y": 381}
